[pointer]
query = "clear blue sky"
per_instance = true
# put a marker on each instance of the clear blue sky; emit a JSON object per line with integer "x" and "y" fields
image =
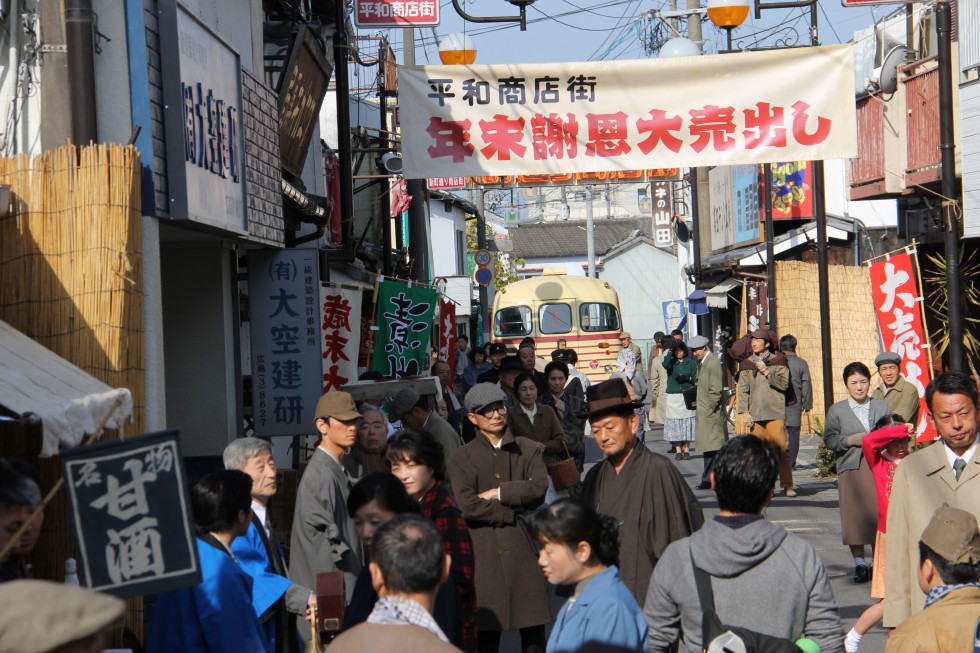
{"x": 595, "y": 30}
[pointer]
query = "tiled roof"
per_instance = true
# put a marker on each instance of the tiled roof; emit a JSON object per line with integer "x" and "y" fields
{"x": 568, "y": 238}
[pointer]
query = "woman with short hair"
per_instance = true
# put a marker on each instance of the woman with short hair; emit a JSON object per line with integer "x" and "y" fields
{"x": 848, "y": 421}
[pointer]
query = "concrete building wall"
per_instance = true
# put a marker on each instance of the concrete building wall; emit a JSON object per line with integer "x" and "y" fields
{"x": 644, "y": 277}
{"x": 445, "y": 243}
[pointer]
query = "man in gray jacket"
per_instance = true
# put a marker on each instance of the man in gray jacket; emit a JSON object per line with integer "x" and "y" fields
{"x": 746, "y": 557}
{"x": 799, "y": 378}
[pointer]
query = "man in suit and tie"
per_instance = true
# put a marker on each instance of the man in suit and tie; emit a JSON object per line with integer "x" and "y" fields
{"x": 945, "y": 472}
{"x": 259, "y": 553}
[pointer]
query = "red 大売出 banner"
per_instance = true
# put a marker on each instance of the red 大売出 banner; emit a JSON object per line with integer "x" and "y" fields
{"x": 898, "y": 311}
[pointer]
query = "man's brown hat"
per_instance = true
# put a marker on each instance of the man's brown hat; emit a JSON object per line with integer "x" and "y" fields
{"x": 336, "y": 404}
{"x": 608, "y": 397}
{"x": 953, "y": 534}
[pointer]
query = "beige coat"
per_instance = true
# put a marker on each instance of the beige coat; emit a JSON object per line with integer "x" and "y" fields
{"x": 923, "y": 482}
{"x": 948, "y": 624}
{"x": 761, "y": 397}
{"x": 658, "y": 389}
{"x": 404, "y": 638}
{"x": 903, "y": 399}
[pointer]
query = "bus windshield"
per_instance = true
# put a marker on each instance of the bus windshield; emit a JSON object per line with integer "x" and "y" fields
{"x": 599, "y": 317}
{"x": 512, "y": 321}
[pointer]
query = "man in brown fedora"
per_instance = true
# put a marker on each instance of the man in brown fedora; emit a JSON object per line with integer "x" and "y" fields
{"x": 642, "y": 490}
{"x": 323, "y": 536}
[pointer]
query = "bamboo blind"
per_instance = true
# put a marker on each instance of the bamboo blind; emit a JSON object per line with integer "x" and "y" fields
{"x": 71, "y": 279}
{"x": 853, "y": 329}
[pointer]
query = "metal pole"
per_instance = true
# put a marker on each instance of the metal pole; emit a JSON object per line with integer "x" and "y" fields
{"x": 481, "y": 243}
{"x": 418, "y": 242}
{"x": 341, "y": 49}
{"x": 590, "y": 231}
{"x": 80, "y": 39}
{"x": 950, "y": 200}
{"x": 770, "y": 254}
{"x": 823, "y": 285}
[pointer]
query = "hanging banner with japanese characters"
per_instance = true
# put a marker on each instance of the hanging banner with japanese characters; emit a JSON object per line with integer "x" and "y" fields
{"x": 898, "y": 310}
{"x": 131, "y": 515}
{"x": 447, "y": 334}
{"x": 756, "y": 306}
{"x": 753, "y": 107}
{"x": 340, "y": 334}
{"x": 405, "y": 314}
{"x": 285, "y": 326}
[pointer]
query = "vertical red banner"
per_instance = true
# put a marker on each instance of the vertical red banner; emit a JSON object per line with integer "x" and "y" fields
{"x": 447, "y": 334}
{"x": 898, "y": 310}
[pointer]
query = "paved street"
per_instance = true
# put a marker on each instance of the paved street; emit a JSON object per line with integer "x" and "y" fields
{"x": 812, "y": 515}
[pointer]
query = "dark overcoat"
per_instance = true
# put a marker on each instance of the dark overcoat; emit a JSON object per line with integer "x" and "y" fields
{"x": 511, "y": 591}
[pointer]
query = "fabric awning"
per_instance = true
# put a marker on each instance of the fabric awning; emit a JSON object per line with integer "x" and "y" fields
{"x": 718, "y": 295}
{"x": 70, "y": 402}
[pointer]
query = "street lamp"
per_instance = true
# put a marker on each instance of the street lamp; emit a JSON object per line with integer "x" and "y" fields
{"x": 457, "y": 49}
{"x": 728, "y": 14}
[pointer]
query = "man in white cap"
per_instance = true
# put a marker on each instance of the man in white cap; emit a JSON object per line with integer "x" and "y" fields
{"x": 39, "y": 616}
{"x": 902, "y": 396}
{"x": 711, "y": 428}
{"x": 324, "y": 538}
{"x": 498, "y": 479}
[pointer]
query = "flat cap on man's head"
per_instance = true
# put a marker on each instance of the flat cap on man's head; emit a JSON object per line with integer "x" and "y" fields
{"x": 764, "y": 334}
{"x": 887, "y": 358}
{"x": 403, "y": 402}
{"x": 337, "y": 404}
{"x": 953, "y": 534}
{"x": 482, "y": 395}
{"x": 511, "y": 364}
{"x": 697, "y": 342}
{"x": 40, "y": 616}
{"x": 624, "y": 335}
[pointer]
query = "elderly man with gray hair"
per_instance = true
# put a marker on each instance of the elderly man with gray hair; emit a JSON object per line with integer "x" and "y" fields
{"x": 259, "y": 553}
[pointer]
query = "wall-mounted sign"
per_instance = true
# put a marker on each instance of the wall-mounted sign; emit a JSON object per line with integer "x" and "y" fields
{"x": 302, "y": 88}
{"x": 205, "y": 150}
{"x": 722, "y": 209}
{"x": 396, "y": 13}
{"x": 131, "y": 515}
{"x": 285, "y": 325}
{"x": 662, "y": 203}
{"x": 340, "y": 334}
{"x": 445, "y": 182}
{"x": 792, "y": 196}
{"x": 745, "y": 203}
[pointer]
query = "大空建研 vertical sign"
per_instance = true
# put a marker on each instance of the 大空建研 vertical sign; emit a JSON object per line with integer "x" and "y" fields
{"x": 131, "y": 515}
{"x": 285, "y": 327}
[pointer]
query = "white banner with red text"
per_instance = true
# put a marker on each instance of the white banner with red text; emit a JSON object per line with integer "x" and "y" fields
{"x": 754, "y": 107}
{"x": 340, "y": 334}
{"x": 898, "y": 310}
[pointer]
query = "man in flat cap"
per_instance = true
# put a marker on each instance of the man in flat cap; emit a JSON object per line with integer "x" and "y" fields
{"x": 763, "y": 379}
{"x": 39, "y": 616}
{"x": 642, "y": 490}
{"x": 949, "y": 573}
{"x": 498, "y": 479}
{"x": 902, "y": 396}
{"x": 414, "y": 412}
{"x": 711, "y": 427}
{"x": 323, "y": 537}
{"x": 946, "y": 472}
{"x": 498, "y": 351}
{"x": 626, "y": 342}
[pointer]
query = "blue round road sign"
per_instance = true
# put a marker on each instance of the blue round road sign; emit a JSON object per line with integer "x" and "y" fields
{"x": 483, "y": 276}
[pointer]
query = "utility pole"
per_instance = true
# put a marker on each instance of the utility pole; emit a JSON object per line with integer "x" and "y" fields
{"x": 481, "y": 243}
{"x": 590, "y": 231}
{"x": 418, "y": 239}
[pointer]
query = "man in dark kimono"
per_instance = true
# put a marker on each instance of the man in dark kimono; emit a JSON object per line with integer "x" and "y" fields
{"x": 641, "y": 489}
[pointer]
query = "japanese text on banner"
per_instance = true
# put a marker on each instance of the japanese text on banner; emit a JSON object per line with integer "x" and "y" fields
{"x": 405, "y": 316}
{"x": 898, "y": 310}
{"x": 628, "y": 115}
{"x": 447, "y": 334}
{"x": 340, "y": 333}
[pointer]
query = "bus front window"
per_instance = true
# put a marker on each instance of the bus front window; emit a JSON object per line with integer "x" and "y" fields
{"x": 512, "y": 321}
{"x": 555, "y": 318}
{"x": 599, "y": 317}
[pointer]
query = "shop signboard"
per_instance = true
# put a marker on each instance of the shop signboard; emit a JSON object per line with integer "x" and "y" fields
{"x": 396, "y": 13}
{"x": 720, "y": 195}
{"x": 340, "y": 334}
{"x": 745, "y": 202}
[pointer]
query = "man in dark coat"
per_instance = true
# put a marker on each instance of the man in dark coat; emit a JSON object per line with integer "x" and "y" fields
{"x": 642, "y": 490}
{"x": 498, "y": 479}
{"x": 497, "y": 352}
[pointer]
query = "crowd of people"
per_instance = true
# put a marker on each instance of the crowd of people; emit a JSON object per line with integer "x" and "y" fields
{"x": 440, "y": 523}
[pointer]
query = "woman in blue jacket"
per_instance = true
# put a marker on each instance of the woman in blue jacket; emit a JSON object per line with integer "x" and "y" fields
{"x": 579, "y": 548}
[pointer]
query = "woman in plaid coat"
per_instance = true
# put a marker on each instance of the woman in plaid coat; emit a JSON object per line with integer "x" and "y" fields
{"x": 418, "y": 462}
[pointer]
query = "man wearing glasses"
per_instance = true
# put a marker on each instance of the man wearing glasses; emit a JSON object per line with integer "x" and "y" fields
{"x": 498, "y": 479}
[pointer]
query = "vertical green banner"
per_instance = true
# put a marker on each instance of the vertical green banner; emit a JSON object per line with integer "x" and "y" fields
{"x": 404, "y": 322}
